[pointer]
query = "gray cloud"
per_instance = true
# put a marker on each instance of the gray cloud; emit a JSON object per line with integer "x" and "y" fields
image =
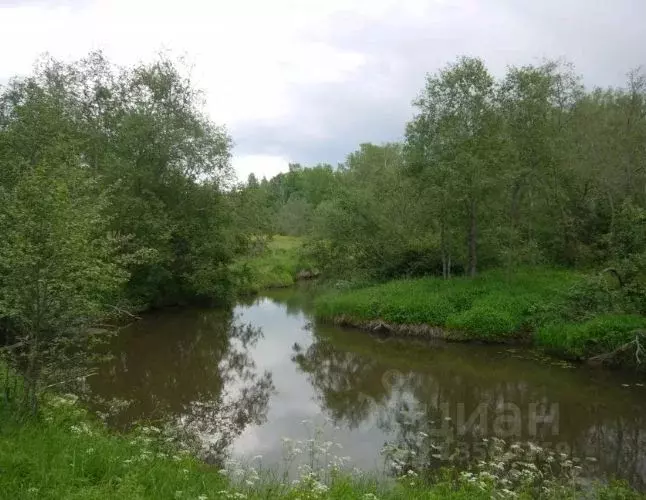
{"x": 604, "y": 40}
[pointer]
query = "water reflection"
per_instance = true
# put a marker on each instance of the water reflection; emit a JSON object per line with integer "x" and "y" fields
{"x": 421, "y": 396}
{"x": 265, "y": 367}
{"x": 191, "y": 367}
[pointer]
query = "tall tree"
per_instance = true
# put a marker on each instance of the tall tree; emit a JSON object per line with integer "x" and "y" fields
{"x": 456, "y": 132}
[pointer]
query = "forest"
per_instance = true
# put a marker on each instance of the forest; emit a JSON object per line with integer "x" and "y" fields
{"x": 512, "y": 208}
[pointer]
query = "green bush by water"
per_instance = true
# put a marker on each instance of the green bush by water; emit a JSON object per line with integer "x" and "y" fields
{"x": 275, "y": 267}
{"x": 599, "y": 335}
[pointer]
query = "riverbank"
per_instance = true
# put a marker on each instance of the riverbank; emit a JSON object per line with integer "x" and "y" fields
{"x": 65, "y": 453}
{"x": 276, "y": 266}
{"x": 528, "y": 306}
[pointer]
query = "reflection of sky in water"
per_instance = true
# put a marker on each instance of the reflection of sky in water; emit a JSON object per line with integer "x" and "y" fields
{"x": 295, "y": 399}
{"x": 298, "y": 397}
{"x": 366, "y": 385}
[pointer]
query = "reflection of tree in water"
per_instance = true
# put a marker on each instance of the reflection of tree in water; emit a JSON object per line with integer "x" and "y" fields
{"x": 349, "y": 386}
{"x": 409, "y": 405}
{"x": 296, "y": 300}
{"x": 191, "y": 367}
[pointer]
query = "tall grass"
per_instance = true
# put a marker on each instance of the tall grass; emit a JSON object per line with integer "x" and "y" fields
{"x": 493, "y": 306}
{"x": 599, "y": 335}
{"x": 542, "y": 304}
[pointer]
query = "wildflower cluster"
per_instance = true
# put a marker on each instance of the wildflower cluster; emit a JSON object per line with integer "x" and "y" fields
{"x": 525, "y": 467}
{"x": 308, "y": 466}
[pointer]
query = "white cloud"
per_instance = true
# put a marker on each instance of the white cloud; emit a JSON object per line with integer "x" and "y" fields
{"x": 261, "y": 165}
{"x": 244, "y": 54}
{"x": 304, "y": 80}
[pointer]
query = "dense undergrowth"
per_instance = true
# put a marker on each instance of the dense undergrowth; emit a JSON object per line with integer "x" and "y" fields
{"x": 540, "y": 304}
{"x": 274, "y": 266}
{"x": 64, "y": 453}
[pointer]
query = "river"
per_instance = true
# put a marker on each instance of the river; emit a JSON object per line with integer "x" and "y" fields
{"x": 265, "y": 371}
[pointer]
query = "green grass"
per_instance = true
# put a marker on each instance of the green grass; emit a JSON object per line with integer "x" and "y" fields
{"x": 492, "y": 306}
{"x": 599, "y": 335}
{"x": 276, "y": 267}
{"x": 65, "y": 454}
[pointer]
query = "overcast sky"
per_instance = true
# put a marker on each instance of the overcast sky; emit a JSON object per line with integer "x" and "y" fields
{"x": 307, "y": 81}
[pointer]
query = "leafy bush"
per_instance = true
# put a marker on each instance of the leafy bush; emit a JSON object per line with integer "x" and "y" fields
{"x": 274, "y": 267}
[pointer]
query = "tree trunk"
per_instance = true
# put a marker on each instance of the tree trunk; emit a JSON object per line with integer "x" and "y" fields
{"x": 611, "y": 239}
{"x": 445, "y": 267}
{"x": 473, "y": 235}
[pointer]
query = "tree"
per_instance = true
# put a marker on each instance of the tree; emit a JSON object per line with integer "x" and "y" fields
{"x": 111, "y": 197}
{"x": 141, "y": 133}
{"x": 58, "y": 275}
{"x": 457, "y": 134}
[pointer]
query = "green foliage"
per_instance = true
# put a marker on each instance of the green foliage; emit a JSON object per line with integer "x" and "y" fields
{"x": 600, "y": 335}
{"x": 275, "y": 266}
{"x": 565, "y": 312}
{"x": 58, "y": 273}
{"x": 111, "y": 198}
{"x": 64, "y": 454}
{"x": 531, "y": 169}
{"x": 158, "y": 163}
{"x": 285, "y": 203}
{"x": 491, "y": 307}
{"x": 485, "y": 322}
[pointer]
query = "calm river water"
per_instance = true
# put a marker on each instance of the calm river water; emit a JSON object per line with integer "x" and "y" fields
{"x": 264, "y": 368}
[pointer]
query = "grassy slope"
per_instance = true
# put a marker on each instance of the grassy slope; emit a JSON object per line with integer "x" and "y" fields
{"x": 492, "y": 307}
{"x": 276, "y": 267}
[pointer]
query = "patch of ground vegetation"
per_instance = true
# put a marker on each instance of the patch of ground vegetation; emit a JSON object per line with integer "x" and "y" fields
{"x": 540, "y": 305}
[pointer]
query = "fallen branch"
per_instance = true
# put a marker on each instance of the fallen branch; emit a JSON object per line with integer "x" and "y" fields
{"x": 123, "y": 311}
{"x": 79, "y": 377}
{"x": 629, "y": 346}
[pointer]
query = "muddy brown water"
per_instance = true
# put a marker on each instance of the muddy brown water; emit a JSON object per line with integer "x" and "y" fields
{"x": 266, "y": 371}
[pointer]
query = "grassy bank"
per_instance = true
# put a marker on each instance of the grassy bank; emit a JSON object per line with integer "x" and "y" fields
{"x": 492, "y": 307}
{"x": 275, "y": 266}
{"x": 64, "y": 454}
